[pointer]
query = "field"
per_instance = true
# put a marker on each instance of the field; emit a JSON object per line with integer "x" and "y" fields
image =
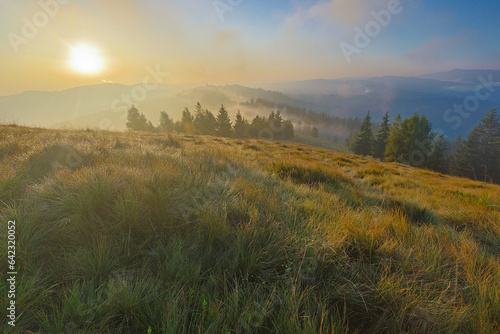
{"x": 124, "y": 232}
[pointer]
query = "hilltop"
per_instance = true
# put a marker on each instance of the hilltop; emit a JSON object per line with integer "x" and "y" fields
{"x": 119, "y": 232}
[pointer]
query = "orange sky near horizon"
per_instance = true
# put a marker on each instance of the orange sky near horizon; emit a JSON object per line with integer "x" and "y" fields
{"x": 193, "y": 42}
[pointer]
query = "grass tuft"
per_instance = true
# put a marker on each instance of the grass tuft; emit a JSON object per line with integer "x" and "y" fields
{"x": 55, "y": 157}
{"x": 310, "y": 174}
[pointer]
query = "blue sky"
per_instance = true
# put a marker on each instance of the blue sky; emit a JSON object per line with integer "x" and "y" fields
{"x": 253, "y": 40}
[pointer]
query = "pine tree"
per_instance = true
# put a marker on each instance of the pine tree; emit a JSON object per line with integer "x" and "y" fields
{"x": 276, "y": 124}
{"x": 479, "y": 156}
{"x": 351, "y": 141}
{"x": 411, "y": 141}
{"x": 258, "y": 124}
{"x": 198, "y": 109}
{"x": 382, "y": 136}
{"x": 364, "y": 141}
{"x": 288, "y": 131}
{"x": 240, "y": 126}
{"x": 210, "y": 123}
{"x": 186, "y": 116}
{"x": 198, "y": 119}
{"x": 278, "y": 119}
{"x": 133, "y": 118}
{"x": 436, "y": 159}
{"x": 467, "y": 160}
{"x": 315, "y": 132}
{"x": 272, "y": 117}
{"x": 490, "y": 127}
{"x": 455, "y": 145}
{"x": 224, "y": 127}
{"x": 416, "y": 132}
{"x": 395, "y": 143}
{"x": 187, "y": 121}
{"x": 137, "y": 121}
{"x": 166, "y": 123}
{"x": 204, "y": 121}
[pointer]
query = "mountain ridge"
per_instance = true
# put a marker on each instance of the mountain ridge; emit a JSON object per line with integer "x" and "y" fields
{"x": 94, "y": 105}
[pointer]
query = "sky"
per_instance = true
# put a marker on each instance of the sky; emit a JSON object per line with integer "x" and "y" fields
{"x": 225, "y": 41}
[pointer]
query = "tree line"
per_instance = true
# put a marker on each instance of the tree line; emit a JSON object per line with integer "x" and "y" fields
{"x": 411, "y": 141}
{"x": 306, "y": 116}
{"x": 203, "y": 122}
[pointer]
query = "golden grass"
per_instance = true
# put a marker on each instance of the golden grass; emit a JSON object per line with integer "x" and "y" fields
{"x": 305, "y": 239}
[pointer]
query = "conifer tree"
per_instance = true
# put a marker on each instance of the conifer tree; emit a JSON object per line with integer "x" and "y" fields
{"x": 186, "y": 116}
{"x": 455, "y": 145}
{"x": 411, "y": 141}
{"x": 288, "y": 131}
{"x": 417, "y": 139}
{"x": 258, "y": 124}
{"x": 436, "y": 159}
{"x": 395, "y": 143}
{"x": 210, "y": 123}
{"x": 350, "y": 141}
{"x": 198, "y": 109}
{"x": 382, "y": 136}
{"x": 279, "y": 119}
{"x": 166, "y": 123}
{"x": 204, "y": 121}
{"x": 276, "y": 124}
{"x": 479, "y": 155}
{"x": 272, "y": 117}
{"x": 133, "y": 118}
{"x": 137, "y": 121}
{"x": 364, "y": 141}
{"x": 224, "y": 127}
{"x": 240, "y": 126}
{"x": 187, "y": 121}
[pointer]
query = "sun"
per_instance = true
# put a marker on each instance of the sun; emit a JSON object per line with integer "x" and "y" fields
{"x": 86, "y": 59}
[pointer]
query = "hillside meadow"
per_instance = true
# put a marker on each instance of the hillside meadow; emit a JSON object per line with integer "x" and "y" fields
{"x": 128, "y": 232}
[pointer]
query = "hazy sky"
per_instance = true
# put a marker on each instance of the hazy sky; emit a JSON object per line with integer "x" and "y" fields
{"x": 241, "y": 40}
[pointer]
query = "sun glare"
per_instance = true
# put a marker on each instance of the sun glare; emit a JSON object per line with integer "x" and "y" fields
{"x": 85, "y": 59}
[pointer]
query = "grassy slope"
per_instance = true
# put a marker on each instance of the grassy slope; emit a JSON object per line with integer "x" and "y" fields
{"x": 121, "y": 231}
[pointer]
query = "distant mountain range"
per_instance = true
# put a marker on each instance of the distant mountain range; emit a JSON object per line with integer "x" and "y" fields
{"x": 105, "y": 105}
